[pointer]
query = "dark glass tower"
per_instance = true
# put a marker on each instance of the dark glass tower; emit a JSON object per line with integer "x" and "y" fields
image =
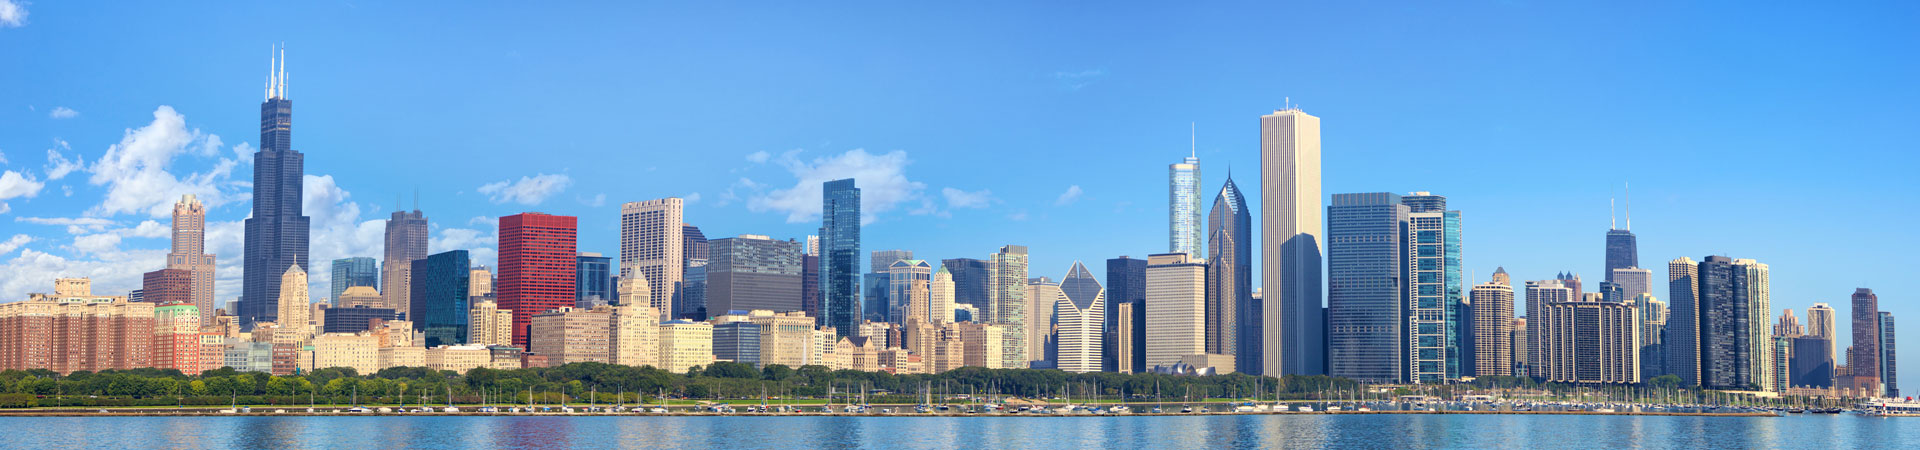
{"x": 1127, "y": 283}
{"x": 439, "y": 297}
{"x": 1367, "y": 290}
{"x": 970, "y": 283}
{"x": 593, "y": 282}
{"x": 840, "y": 255}
{"x": 1232, "y": 328}
{"x": 276, "y": 235}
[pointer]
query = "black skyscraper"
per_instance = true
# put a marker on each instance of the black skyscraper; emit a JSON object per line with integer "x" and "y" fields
{"x": 1127, "y": 283}
{"x": 1623, "y": 250}
{"x": 276, "y": 235}
{"x": 971, "y": 284}
{"x": 1231, "y": 323}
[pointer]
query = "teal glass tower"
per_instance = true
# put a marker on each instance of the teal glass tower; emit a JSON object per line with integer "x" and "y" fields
{"x": 1438, "y": 290}
{"x": 840, "y": 255}
{"x": 439, "y": 298}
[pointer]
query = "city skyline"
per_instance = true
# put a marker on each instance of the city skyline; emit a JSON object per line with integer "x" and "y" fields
{"x": 896, "y": 225}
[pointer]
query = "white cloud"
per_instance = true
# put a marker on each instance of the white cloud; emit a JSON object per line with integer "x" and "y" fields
{"x": 17, "y": 185}
{"x": 58, "y": 166}
{"x": 598, "y": 200}
{"x": 112, "y": 274}
{"x": 692, "y": 198}
{"x": 759, "y": 157}
{"x": 3, "y": 157}
{"x": 882, "y": 180}
{"x": 13, "y": 243}
{"x": 72, "y": 223}
{"x": 62, "y": 112}
{"x": 1018, "y": 216}
{"x": 962, "y": 199}
{"x": 97, "y": 244}
{"x": 12, "y": 13}
{"x": 1067, "y": 198}
{"x": 135, "y": 170}
{"x": 527, "y": 191}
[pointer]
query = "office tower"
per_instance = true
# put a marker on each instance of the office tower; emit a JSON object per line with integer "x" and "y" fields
{"x": 810, "y": 285}
{"x": 1683, "y": 320}
{"x": 295, "y": 306}
{"x": 1367, "y": 303}
{"x": 440, "y": 297}
{"x": 840, "y": 255}
{"x": 352, "y": 272}
{"x": 877, "y": 285}
{"x": 909, "y": 290}
{"x": 536, "y": 267}
{"x": 1653, "y": 330}
{"x": 1176, "y": 308}
{"x": 784, "y": 338}
{"x": 1540, "y": 294}
{"x": 592, "y": 281}
{"x": 940, "y": 296}
{"x": 1589, "y": 341}
{"x": 1622, "y": 250}
{"x": 1735, "y": 349}
{"x": 570, "y": 335}
{"x": 1811, "y": 363}
{"x": 1120, "y": 343}
{"x": 1183, "y": 207}
{"x": 190, "y": 253}
{"x": 1008, "y": 269}
{"x": 480, "y": 282}
{"x": 753, "y": 272}
{"x": 176, "y": 338}
{"x": 685, "y": 345}
{"x": 971, "y": 282}
{"x": 635, "y": 329}
{"x": 166, "y": 286}
{"x": 1041, "y": 294}
{"x": 1820, "y": 321}
{"x": 74, "y": 330}
{"x": 1231, "y": 327}
{"x": 1782, "y": 369}
{"x": 1631, "y": 282}
{"x": 1522, "y": 360}
{"x": 361, "y": 296}
{"x": 1788, "y": 325}
{"x": 1864, "y": 359}
{"x": 354, "y": 319}
{"x": 737, "y": 341}
{"x": 692, "y": 299}
{"x": 1888, "y": 375}
{"x": 695, "y": 241}
{"x": 1438, "y": 291}
{"x": 1492, "y": 325}
{"x": 1293, "y": 340}
{"x": 1079, "y": 322}
{"x": 406, "y": 242}
{"x": 653, "y": 245}
{"x": 1127, "y": 283}
{"x": 487, "y": 324}
{"x": 276, "y": 235}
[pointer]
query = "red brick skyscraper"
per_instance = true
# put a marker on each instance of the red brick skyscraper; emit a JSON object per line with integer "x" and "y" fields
{"x": 537, "y": 267}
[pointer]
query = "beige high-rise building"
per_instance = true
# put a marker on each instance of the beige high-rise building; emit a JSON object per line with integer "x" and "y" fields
{"x": 1590, "y": 341}
{"x": 458, "y": 358}
{"x": 1176, "y": 308}
{"x": 785, "y": 337}
{"x": 570, "y": 335}
{"x": 479, "y": 282}
{"x": 295, "y": 306}
{"x": 685, "y": 344}
{"x": 653, "y": 245}
{"x": 1522, "y": 366}
{"x": 1760, "y": 348}
{"x": 940, "y": 296}
{"x": 487, "y": 324}
{"x": 636, "y": 335}
{"x": 1041, "y": 297}
{"x": 360, "y": 351}
{"x": 73, "y": 330}
{"x": 1493, "y": 326}
{"x": 1293, "y": 336}
{"x": 1820, "y": 321}
{"x": 406, "y": 241}
{"x": 1007, "y": 287}
{"x": 983, "y": 344}
{"x": 190, "y": 253}
{"x": 1122, "y": 336}
{"x": 362, "y": 296}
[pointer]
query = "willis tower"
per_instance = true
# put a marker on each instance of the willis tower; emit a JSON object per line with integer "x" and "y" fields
{"x": 277, "y": 232}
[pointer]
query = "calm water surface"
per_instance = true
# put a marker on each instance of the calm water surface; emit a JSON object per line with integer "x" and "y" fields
{"x": 1384, "y": 431}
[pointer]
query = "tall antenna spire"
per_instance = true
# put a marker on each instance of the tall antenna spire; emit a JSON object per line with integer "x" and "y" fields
{"x": 271, "y": 62}
{"x": 1193, "y": 146}
{"x": 1613, "y": 222}
{"x": 281, "y": 72}
{"x": 1629, "y": 206}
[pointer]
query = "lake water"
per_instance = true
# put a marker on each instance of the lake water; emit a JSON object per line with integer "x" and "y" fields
{"x": 1157, "y": 433}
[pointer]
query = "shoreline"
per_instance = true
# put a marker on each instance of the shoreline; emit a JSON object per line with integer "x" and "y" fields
{"x": 327, "y": 413}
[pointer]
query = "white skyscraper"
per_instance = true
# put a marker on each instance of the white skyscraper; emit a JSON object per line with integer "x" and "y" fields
{"x": 1293, "y": 337}
{"x": 1079, "y": 318}
{"x": 653, "y": 246}
{"x": 1183, "y": 207}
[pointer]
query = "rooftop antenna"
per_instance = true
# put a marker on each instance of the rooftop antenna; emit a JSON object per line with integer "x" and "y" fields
{"x": 1193, "y": 146}
{"x": 416, "y": 199}
{"x": 1629, "y": 206}
{"x": 1612, "y": 221}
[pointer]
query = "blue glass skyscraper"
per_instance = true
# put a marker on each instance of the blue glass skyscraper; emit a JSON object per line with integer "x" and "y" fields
{"x": 594, "y": 282}
{"x": 350, "y": 272}
{"x": 1367, "y": 265}
{"x": 439, "y": 297}
{"x": 840, "y": 255}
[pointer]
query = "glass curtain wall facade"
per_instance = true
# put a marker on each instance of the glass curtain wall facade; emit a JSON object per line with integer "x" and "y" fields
{"x": 840, "y": 256}
{"x": 350, "y": 272}
{"x": 439, "y": 298}
{"x": 1438, "y": 290}
{"x": 1367, "y": 287}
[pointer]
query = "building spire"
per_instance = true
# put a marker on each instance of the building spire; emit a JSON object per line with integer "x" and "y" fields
{"x": 1613, "y": 220}
{"x": 1629, "y": 206}
{"x": 1193, "y": 140}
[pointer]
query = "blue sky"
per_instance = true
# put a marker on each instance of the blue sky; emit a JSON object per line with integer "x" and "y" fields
{"x": 1780, "y": 132}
